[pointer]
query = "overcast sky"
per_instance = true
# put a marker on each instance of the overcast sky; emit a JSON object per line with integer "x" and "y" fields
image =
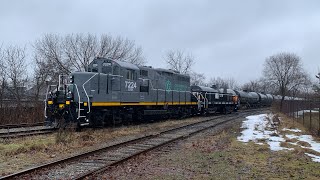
{"x": 227, "y": 38}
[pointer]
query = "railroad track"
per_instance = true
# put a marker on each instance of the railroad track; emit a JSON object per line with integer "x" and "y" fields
{"x": 6, "y": 126}
{"x": 87, "y": 164}
{"x": 22, "y": 130}
{"x": 25, "y": 132}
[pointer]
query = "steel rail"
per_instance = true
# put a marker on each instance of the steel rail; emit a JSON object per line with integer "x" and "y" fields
{"x": 16, "y": 134}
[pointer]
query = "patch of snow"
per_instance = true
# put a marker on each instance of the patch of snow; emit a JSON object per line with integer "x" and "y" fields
{"x": 291, "y": 136}
{"x": 300, "y": 113}
{"x": 275, "y": 146}
{"x": 292, "y": 130}
{"x": 294, "y": 143}
{"x": 256, "y": 130}
{"x": 309, "y": 139}
{"x": 274, "y": 143}
{"x": 306, "y": 138}
{"x": 313, "y": 157}
{"x": 259, "y": 128}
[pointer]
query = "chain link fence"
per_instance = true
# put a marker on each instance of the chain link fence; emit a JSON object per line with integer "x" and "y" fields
{"x": 306, "y": 112}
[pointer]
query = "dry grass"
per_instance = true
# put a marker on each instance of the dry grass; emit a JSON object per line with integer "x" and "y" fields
{"x": 293, "y": 140}
{"x": 290, "y": 123}
{"x": 311, "y": 123}
{"x": 221, "y": 156}
{"x": 254, "y": 161}
{"x": 20, "y": 153}
{"x": 287, "y": 145}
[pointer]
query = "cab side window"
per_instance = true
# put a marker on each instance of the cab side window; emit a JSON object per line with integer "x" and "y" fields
{"x": 106, "y": 67}
{"x": 130, "y": 74}
{"x": 116, "y": 70}
{"x": 94, "y": 67}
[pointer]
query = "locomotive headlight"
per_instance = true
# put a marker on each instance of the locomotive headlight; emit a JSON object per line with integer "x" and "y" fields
{"x": 71, "y": 79}
{"x": 61, "y": 106}
{"x": 50, "y": 102}
{"x": 67, "y": 102}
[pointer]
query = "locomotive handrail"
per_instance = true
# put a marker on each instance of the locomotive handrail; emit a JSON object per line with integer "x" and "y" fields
{"x": 171, "y": 90}
{"x": 89, "y": 110}
{"x": 45, "y": 103}
{"x": 114, "y": 75}
{"x": 60, "y": 79}
{"x": 79, "y": 100}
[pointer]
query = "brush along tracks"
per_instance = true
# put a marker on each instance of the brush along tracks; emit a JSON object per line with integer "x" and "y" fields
{"x": 90, "y": 163}
{"x": 21, "y": 132}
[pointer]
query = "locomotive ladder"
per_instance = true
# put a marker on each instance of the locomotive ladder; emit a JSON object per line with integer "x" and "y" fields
{"x": 79, "y": 104}
{"x": 88, "y": 99}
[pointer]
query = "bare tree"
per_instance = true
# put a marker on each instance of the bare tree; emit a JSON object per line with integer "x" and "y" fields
{"x": 75, "y": 51}
{"x": 223, "y": 83}
{"x": 80, "y": 50}
{"x": 15, "y": 72}
{"x": 42, "y": 74}
{"x": 2, "y": 78}
{"x": 197, "y": 78}
{"x": 54, "y": 55}
{"x": 284, "y": 71}
{"x": 259, "y": 85}
{"x": 50, "y": 50}
{"x": 179, "y": 61}
{"x": 232, "y": 83}
{"x": 253, "y": 85}
{"x": 120, "y": 49}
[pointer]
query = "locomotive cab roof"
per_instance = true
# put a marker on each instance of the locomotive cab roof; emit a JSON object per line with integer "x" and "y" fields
{"x": 98, "y": 64}
{"x": 196, "y": 88}
{"x": 126, "y": 65}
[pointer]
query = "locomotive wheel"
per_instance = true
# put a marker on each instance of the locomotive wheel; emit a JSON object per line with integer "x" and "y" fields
{"x": 116, "y": 117}
{"x": 137, "y": 117}
{"x": 225, "y": 110}
{"x": 97, "y": 119}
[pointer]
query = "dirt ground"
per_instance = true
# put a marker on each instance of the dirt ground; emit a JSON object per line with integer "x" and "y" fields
{"x": 216, "y": 154}
{"x": 21, "y": 153}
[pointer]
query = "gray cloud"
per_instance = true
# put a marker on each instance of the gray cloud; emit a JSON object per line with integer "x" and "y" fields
{"x": 228, "y": 38}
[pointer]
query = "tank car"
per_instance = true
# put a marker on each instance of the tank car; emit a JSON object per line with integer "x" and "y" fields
{"x": 245, "y": 99}
{"x": 270, "y": 99}
{"x": 263, "y": 99}
{"x": 255, "y": 99}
